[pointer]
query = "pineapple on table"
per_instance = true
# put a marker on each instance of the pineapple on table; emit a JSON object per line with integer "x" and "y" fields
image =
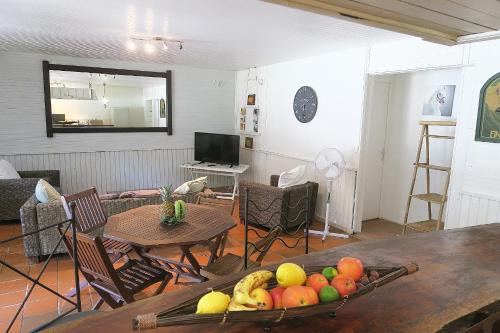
{"x": 167, "y": 207}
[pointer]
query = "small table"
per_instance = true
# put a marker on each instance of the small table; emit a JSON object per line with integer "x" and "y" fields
{"x": 225, "y": 170}
{"x": 142, "y": 229}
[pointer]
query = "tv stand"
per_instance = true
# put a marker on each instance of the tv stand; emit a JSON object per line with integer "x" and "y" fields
{"x": 205, "y": 168}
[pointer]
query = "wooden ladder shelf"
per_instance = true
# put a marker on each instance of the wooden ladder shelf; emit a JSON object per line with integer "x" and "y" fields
{"x": 431, "y": 198}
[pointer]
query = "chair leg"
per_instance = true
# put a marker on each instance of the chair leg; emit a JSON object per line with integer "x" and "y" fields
{"x": 72, "y": 292}
{"x": 105, "y": 297}
{"x": 183, "y": 256}
{"x": 97, "y": 305}
{"x": 222, "y": 245}
{"x": 163, "y": 284}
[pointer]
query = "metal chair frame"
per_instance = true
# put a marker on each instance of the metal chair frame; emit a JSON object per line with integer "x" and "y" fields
{"x": 36, "y": 281}
{"x": 266, "y": 247}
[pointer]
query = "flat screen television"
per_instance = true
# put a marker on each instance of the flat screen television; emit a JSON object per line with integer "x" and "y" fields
{"x": 217, "y": 148}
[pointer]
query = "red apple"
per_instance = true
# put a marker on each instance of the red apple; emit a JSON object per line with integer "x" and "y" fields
{"x": 344, "y": 284}
{"x": 351, "y": 267}
{"x": 295, "y": 296}
{"x": 317, "y": 281}
{"x": 276, "y": 294}
{"x": 263, "y": 297}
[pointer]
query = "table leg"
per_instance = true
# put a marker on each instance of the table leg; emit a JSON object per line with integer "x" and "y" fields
{"x": 236, "y": 187}
{"x": 190, "y": 257}
{"x": 214, "y": 248}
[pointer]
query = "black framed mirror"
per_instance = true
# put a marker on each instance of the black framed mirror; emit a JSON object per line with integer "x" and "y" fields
{"x": 80, "y": 99}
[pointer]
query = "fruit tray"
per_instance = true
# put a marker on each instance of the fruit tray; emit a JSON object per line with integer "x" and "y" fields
{"x": 184, "y": 314}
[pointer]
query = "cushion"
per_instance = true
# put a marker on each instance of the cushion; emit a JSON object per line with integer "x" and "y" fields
{"x": 292, "y": 177}
{"x": 45, "y": 193}
{"x": 109, "y": 196}
{"x": 140, "y": 194}
{"x": 192, "y": 186}
{"x": 7, "y": 171}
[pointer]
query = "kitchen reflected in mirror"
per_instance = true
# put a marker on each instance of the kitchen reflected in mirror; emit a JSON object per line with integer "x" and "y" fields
{"x": 91, "y": 99}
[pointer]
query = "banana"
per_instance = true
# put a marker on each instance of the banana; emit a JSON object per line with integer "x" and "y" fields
{"x": 263, "y": 286}
{"x": 233, "y": 306}
{"x": 242, "y": 289}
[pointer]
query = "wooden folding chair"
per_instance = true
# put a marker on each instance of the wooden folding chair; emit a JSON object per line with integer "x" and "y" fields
{"x": 223, "y": 205}
{"x": 115, "y": 287}
{"x": 90, "y": 215}
{"x": 232, "y": 263}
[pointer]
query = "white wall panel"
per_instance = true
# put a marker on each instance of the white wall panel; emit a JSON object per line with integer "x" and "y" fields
{"x": 114, "y": 170}
{"x": 476, "y": 209}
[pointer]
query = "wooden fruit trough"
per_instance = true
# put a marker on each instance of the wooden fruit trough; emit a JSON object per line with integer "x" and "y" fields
{"x": 184, "y": 314}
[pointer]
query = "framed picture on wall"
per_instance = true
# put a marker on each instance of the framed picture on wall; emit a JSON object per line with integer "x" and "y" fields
{"x": 488, "y": 115}
{"x": 249, "y": 142}
{"x": 438, "y": 101}
{"x": 251, "y": 99}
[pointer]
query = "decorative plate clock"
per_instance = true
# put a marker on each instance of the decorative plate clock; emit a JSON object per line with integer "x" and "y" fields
{"x": 305, "y": 104}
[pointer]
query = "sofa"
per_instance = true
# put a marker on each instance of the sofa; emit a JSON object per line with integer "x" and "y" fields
{"x": 35, "y": 215}
{"x": 15, "y": 192}
{"x": 285, "y": 204}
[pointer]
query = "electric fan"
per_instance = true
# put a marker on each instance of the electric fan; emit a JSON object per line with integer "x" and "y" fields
{"x": 330, "y": 165}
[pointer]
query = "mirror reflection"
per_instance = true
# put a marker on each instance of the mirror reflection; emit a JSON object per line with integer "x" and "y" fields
{"x": 93, "y": 100}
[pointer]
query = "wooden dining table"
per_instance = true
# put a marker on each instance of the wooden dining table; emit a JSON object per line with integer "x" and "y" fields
{"x": 141, "y": 228}
{"x": 459, "y": 273}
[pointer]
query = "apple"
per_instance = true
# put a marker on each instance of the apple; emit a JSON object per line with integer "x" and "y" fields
{"x": 317, "y": 281}
{"x": 295, "y": 296}
{"x": 276, "y": 294}
{"x": 263, "y": 298}
{"x": 344, "y": 284}
{"x": 351, "y": 267}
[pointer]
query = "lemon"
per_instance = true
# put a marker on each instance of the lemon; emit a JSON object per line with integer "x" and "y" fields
{"x": 213, "y": 302}
{"x": 289, "y": 274}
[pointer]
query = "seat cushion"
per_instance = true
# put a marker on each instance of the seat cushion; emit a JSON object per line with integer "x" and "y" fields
{"x": 192, "y": 186}
{"x": 45, "y": 192}
{"x": 7, "y": 171}
{"x": 292, "y": 177}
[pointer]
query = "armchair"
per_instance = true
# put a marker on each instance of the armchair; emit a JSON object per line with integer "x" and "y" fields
{"x": 284, "y": 200}
{"x": 15, "y": 192}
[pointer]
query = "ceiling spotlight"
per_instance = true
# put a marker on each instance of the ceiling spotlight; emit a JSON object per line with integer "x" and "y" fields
{"x": 149, "y": 48}
{"x": 131, "y": 46}
{"x": 165, "y": 46}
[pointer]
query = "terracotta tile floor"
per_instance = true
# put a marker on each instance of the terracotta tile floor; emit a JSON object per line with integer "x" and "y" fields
{"x": 44, "y": 306}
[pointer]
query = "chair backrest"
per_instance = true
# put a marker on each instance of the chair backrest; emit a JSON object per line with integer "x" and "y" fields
{"x": 93, "y": 260}
{"x": 223, "y": 205}
{"x": 90, "y": 214}
{"x": 262, "y": 246}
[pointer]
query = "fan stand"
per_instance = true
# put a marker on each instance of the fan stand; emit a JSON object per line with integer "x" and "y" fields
{"x": 326, "y": 232}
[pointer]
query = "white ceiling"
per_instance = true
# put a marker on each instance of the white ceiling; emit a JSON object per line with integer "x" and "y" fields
{"x": 223, "y": 34}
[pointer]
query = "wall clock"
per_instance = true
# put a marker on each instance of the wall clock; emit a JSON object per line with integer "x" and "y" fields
{"x": 305, "y": 104}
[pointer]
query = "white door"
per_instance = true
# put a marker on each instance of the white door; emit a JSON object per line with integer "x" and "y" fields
{"x": 377, "y": 126}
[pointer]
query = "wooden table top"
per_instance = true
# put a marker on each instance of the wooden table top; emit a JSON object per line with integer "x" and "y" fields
{"x": 142, "y": 227}
{"x": 459, "y": 273}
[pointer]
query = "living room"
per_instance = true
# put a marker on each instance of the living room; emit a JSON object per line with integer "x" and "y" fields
{"x": 327, "y": 111}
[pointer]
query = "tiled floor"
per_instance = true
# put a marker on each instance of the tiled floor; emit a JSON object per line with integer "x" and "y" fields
{"x": 43, "y": 306}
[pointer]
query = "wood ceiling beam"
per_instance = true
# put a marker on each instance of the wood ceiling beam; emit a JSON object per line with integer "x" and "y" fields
{"x": 363, "y": 17}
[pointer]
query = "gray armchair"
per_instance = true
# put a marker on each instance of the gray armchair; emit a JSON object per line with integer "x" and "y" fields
{"x": 288, "y": 204}
{"x": 15, "y": 192}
